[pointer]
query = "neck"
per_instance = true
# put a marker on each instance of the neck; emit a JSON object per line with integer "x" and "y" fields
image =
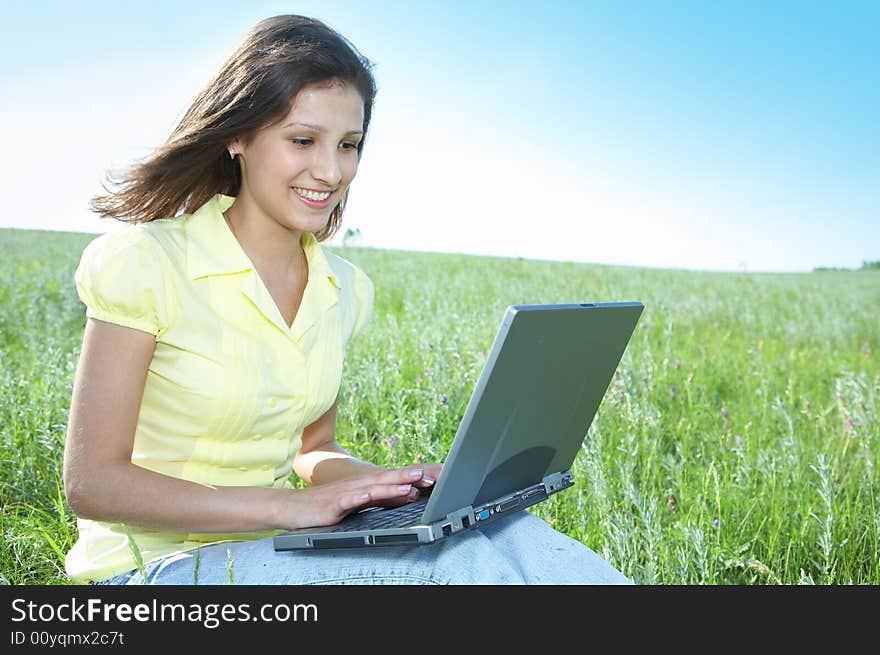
{"x": 276, "y": 251}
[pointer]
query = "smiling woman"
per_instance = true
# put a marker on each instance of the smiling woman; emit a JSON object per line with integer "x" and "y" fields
{"x": 213, "y": 351}
{"x": 290, "y": 182}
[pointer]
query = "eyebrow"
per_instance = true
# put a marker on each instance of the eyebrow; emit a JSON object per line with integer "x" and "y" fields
{"x": 317, "y": 128}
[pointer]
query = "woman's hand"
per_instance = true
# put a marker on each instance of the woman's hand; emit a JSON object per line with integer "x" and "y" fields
{"x": 328, "y": 503}
{"x": 427, "y": 481}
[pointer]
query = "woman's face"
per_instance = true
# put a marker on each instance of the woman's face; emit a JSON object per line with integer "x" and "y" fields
{"x": 298, "y": 170}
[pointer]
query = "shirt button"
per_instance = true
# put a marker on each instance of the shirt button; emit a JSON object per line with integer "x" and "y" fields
{"x": 272, "y": 402}
{"x": 265, "y": 467}
{"x": 242, "y": 468}
{"x": 279, "y": 434}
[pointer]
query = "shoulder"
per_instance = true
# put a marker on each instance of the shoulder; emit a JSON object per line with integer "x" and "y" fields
{"x": 142, "y": 250}
{"x": 343, "y": 269}
{"x": 158, "y": 245}
{"x": 348, "y": 276}
{"x": 356, "y": 287}
{"x": 125, "y": 276}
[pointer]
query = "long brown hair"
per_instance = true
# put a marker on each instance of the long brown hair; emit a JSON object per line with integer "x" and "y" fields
{"x": 253, "y": 89}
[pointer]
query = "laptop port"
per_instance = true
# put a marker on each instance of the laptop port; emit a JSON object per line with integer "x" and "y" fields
{"x": 465, "y": 522}
{"x": 533, "y": 492}
{"x": 447, "y": 529}
{"x": 507, "y": 505}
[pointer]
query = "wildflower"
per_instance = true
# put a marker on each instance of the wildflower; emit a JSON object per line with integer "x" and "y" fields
{"x": 673, "y": 390}
{"x": 355, "y": 386}
{"x": 672, "y": 504}
{"x": 677, "y": 363}
{"x": 443, "y": 399}
{"x": 716, "y": 523}
{"x": 724, "y": 413}
{"x": 866, "y": 350}
{"x": 737, "y": 440}
{"x": 848, "y": 424}
{"x": 389, "y": 442}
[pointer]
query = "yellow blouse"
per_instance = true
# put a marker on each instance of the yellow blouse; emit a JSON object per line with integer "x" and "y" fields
{"x": 231, "y": 386}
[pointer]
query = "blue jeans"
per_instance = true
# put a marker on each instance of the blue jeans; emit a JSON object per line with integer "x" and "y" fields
{"x": 521, "y": 549}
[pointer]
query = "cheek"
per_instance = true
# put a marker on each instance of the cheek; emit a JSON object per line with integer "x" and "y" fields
{"x": 292, "y": 162}
{"x": 275, "y": 167}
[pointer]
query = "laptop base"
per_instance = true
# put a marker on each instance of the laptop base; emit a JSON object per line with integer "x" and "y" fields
{"x": 347, "y": 534}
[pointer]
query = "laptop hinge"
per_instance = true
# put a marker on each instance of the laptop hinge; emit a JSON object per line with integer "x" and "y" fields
{"x": 558, "y": 481}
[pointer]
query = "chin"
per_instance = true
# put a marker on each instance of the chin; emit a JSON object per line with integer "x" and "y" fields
{"x": 311, "y": 225}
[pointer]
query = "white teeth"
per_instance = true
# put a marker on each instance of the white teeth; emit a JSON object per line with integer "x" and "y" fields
{"x": 312, "y": 195}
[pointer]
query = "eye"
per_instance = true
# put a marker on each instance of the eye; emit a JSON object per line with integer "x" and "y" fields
{"x": 349, "y": 146}
{"x": 301, "y": 141}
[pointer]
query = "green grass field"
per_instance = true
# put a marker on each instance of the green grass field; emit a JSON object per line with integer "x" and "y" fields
{"x": 738, "y": 443}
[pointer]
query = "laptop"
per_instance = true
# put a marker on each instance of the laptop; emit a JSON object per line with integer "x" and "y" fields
{"x": 531, "y": 408}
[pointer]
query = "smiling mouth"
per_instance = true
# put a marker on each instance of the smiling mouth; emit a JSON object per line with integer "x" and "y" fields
{"x": 315, "y": 196}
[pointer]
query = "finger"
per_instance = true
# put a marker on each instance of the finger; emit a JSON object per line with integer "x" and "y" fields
{"x": 398, "y": 501}
{"x": 375, "y": 493}
{"x": 426, "y": 482}
{"x": 434, "y": 470}
{"x": 430, "y": 475}
{"x": 401, "y": 492}
{"x": 359, "y": 499}
{"x": 403, "y": 475}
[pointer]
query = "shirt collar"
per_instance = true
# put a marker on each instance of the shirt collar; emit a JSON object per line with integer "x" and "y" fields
{"x": 212, "y": 249}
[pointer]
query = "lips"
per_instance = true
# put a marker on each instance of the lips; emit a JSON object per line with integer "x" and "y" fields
{"x": 311, "y": 197}
{"x": 312, "y": 194}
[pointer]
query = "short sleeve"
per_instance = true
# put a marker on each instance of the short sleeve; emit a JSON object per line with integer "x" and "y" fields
{"x": 363, "y": 289}
{"x": 122, "y": 279}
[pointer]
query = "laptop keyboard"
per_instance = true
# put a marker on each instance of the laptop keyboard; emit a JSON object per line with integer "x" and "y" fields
{"x": 376, "y": 518}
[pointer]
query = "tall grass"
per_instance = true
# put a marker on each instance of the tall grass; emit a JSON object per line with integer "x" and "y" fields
{"x": 737, "y": 443}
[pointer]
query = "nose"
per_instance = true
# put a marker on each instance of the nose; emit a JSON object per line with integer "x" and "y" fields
{"x": 326, "y": 166}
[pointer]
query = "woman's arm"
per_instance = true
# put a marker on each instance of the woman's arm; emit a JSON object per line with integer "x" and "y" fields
{"x": 102, "y": 484}
{"x": 321, "y": 459}
{"x": 99, "y": 479}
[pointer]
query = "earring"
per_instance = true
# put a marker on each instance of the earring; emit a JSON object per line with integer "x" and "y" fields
{"x": 231, "y": 154}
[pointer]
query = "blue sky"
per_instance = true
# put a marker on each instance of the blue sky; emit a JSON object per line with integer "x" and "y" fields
{"x": 716, "y": 136}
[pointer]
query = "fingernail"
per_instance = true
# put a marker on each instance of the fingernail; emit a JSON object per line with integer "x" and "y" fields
{"x": 404, "y": 487}
{"x": 413, "y": 494}
{"x": 428, "y": 479}
{"x": 416, "y": 474}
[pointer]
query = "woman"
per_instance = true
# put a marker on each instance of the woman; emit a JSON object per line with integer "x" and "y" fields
{"x": 214, "y": 343}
